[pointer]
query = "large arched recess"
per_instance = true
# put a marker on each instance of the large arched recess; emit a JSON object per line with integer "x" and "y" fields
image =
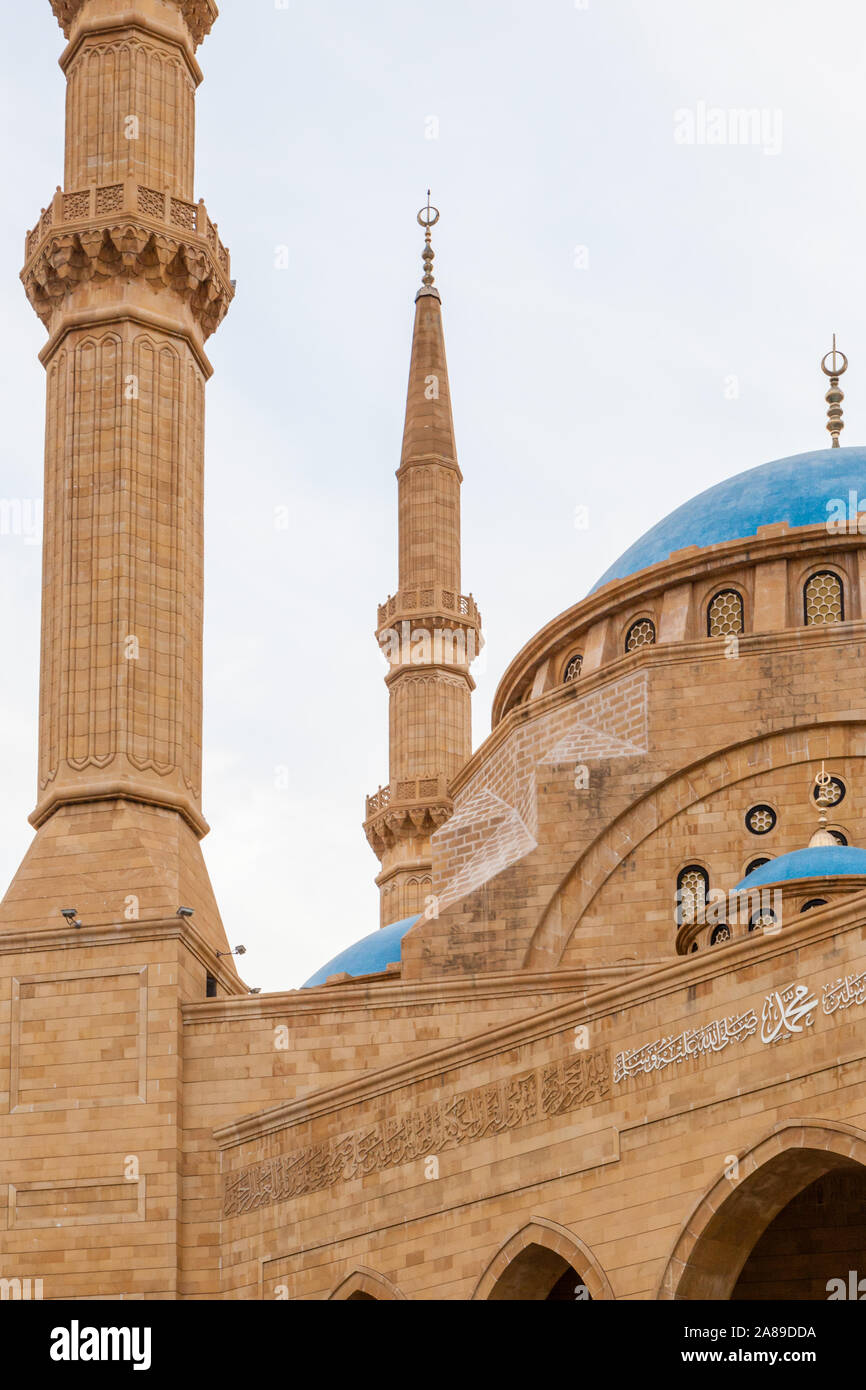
{"x": 725, "y": 768}
{"x": 365, "y": 1285}
{"x": 730, "y": 1219}
{"x": 553, "y": 1243}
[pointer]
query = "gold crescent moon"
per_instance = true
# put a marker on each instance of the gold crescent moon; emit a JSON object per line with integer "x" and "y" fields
{"x": 835, "y": 371}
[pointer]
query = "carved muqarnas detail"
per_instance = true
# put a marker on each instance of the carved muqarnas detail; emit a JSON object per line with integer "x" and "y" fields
{"x": 199, "y": 15}
{"x": 72, "y": 258}
{"x": 487, "y": 1110}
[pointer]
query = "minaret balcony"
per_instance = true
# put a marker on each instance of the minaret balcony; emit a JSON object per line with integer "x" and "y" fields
{"x": 127, "y": 229}
{"x": 406, "y": 809}
{"x": 438, "y": 606}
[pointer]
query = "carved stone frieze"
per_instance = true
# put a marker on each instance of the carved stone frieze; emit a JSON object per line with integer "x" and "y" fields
{"x": 554, "y": 1089}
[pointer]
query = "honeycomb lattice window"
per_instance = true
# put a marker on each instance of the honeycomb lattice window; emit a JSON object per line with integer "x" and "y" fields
{"x": 721, "y": 933}
{"x": 823, "y": 600}
{"x": 725, "y": 614}
{"x": 766, "y": 918}
{"x": 640, "y": 634}
{"x": 760, "y": 819}
{"x": 692, "y": 887}
{"x": 573, "y": 669}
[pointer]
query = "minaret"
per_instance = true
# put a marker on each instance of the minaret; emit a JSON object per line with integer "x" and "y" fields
{"x": 129, "y": 277}
{"x": 428, "y": 631}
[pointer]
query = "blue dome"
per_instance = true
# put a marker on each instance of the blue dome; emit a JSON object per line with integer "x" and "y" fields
{"x": 824, "y": 861}
{"x": 368, "y": 956}
{"x": 797, "y": 490}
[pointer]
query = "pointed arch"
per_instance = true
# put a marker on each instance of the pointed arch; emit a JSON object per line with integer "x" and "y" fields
{"x": 730, "y": 1218}
{"x": 366, "y": 1284}
{"x": 558, "y": 1240}
{"x": 726, "y": 767}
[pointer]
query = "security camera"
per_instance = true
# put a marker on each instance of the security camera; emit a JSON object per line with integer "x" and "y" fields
{"x": 71, "y": 915}
{"x": 185, "y": 911}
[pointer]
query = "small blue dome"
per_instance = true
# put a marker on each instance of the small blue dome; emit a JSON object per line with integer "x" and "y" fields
{"x": 824, "y": 861}
{"x": 368, "y": 956}
{"x": 798, "y": 490}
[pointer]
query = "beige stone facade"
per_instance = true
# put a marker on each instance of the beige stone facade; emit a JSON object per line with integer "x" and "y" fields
{"x": 566, "y": 1078}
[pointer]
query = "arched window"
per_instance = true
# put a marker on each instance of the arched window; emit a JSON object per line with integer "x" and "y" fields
{"x": 755, "y": 864}
{"x": 764, "y": 918}
{"x": 573, "y": 669}
{"x": 725, "y": 614}
{"x": 823, "y": 600}
{"x": 640, "y": 634}
{"x": 838, "y": 835}
{"x": 813, "y": 902}
{"x": 693, "y": 884}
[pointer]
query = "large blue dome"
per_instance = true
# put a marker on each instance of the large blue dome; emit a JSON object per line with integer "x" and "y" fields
{"x": 821, "y": 861}
{"x": 797, "y": 490}
{"x": 368, "y": 956}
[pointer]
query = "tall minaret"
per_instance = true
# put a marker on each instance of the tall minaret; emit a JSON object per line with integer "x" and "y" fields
{"x": 428, "y": 631}
{"x": 129, "y": 276}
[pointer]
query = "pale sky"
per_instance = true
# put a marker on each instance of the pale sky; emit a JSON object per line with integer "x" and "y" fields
{"x": 629, "y": 318}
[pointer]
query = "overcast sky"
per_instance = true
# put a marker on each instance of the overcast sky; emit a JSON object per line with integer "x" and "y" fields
{"x": 632, "y": 313}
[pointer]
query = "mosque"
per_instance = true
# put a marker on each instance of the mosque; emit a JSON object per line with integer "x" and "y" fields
{"x": 607, "y": 1040}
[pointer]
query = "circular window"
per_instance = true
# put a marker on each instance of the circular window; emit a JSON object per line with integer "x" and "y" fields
{"x": 813, "y": 902}
{"x": 756, "y": 864}
{"x": 640, "y": 634}
{"x": 573, "y": 669}
{"x": 760, "y": 920}
{"x": 830, "y": 793}
{"x": 760, "y": 820}
{"x": 721, "y": 933}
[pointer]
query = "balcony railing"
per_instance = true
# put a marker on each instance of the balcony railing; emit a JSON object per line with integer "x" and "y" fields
{"x": 432, "y": 600}
{"x": 131, "y": 198}
{"x": 413, "y": 792}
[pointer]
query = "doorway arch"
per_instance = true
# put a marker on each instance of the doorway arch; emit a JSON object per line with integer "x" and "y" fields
{"x": 730, "y": 1221}
{"x": 365, "y": 1286}
{"x": 543, "y": 1261}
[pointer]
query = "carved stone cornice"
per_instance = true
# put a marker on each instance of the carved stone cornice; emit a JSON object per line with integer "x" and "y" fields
{"x": 128, "y": 231}
{"x": 198, "y": 14}
{"x": 406, "y": 810}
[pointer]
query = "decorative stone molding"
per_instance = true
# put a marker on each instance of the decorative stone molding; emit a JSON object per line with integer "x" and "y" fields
{"x": 199, "y": 15}
{"x": 405, "y": 810}
{"x": 126, "y": 230}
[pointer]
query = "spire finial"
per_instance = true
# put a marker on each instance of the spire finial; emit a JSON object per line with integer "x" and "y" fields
{"x": 834, "y": 396}
{"x": 823, "y": 797}
{"x": 428, "y": 217}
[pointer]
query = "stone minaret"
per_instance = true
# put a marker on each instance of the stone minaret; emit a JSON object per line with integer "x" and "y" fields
{"x": 428, "y": 630}
{"x": 129, "y": 276}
